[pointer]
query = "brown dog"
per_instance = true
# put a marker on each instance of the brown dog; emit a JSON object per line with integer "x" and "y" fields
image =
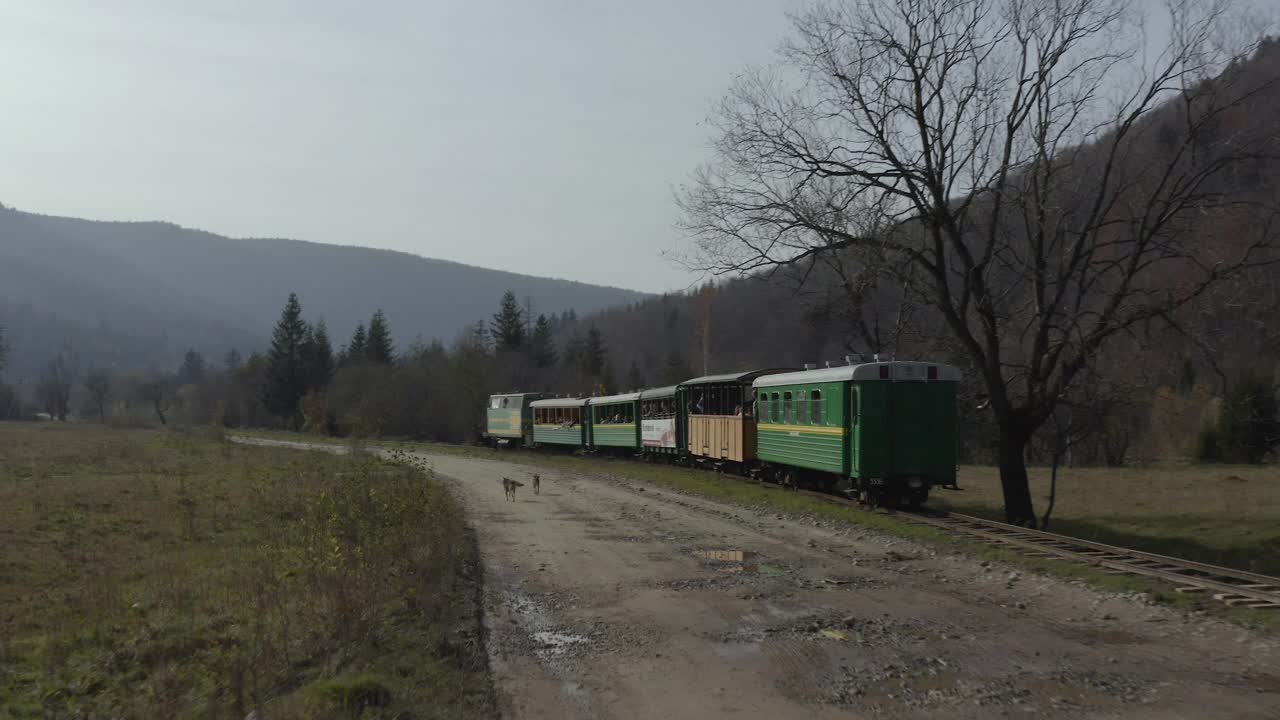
{"x": 537, "y": 484}
{"x": 509, "y": 488}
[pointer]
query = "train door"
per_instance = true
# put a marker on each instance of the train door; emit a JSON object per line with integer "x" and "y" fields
{"x": 912, "y": 439}
{"x": 852, "y": 418}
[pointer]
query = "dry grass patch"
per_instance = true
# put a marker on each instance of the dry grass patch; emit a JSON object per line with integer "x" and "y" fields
{"x": 147, "y": 574}
{"x": 1222, "y": 514}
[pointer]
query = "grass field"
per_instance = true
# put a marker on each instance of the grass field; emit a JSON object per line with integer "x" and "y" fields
{"x": 1221, "y": 514}
{"x": 148, "y": 574}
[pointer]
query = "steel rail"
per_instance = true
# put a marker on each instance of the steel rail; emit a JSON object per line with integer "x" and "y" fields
{"x": 1236, "y": 588}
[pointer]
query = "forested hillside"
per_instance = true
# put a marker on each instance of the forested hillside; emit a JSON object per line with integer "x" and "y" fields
{"x": 133, "y": 295}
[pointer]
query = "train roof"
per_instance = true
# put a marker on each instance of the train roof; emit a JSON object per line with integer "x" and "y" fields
{"x": 559, "y": 402}
{"x": 746, "y": 376}
{"x": 625, "y": 397}
{"x": 662, "y": 392}
{"x": 514, "y": 394}
{"x": 899, "y": 371}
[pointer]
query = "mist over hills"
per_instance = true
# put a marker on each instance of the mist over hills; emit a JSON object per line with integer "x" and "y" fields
{"x": 134, "y": 295}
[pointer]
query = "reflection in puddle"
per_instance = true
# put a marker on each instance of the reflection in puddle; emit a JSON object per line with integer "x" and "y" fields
{"x": 726, "y": 555}
{"x": 735, "y": 560}
{"x": 556, "y": 643}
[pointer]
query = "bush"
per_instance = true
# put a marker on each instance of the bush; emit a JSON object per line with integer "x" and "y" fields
{"x": 1208, "y": 446}
{"x": 351, "y": 695}
{"x": 1249, "y": 427}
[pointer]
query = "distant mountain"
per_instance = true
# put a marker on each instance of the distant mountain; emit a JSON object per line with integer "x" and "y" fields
{"x": 138, "y": 294}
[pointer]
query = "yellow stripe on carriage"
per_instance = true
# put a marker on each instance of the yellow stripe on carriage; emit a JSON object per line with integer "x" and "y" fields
{"x": 803, "y": 429}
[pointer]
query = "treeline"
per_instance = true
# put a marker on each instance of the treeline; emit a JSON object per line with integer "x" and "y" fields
{"x": 367, "y": 386}
{"x": 1155, "y": 406}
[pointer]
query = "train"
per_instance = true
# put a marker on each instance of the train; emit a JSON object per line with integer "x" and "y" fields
{"x": 884, "y": 431}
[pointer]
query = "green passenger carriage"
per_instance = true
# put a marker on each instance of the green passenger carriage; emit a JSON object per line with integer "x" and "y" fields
{"x": 883, "y": 430}
{"x": 615, "y": 422}
{"x": 560, "y": 421}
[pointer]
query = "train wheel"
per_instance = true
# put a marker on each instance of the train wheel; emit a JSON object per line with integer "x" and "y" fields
{"x": 916, "y": 498}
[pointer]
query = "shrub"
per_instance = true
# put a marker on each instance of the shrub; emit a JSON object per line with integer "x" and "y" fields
{"x": 1208, "y": 446}
{"x": 1249, "y": 427}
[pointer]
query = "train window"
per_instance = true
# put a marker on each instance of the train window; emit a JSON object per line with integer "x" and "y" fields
{"x": 802, "y": 408}
{"x": 786, "y": 408}
{"x": 854, "y": 410}
{"x": 815, "y": 407}
{"x": 776, "y": 408}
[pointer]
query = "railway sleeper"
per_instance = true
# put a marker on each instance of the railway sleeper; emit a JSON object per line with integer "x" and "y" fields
{"x": 1242, "y": 601}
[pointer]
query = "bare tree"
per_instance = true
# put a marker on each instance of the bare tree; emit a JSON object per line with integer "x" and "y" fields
{"x": 155, "y": 393}
{"x": 1002, "y": 149}
{"x": 54, "y": 388}
{"x": 98, "y": 384}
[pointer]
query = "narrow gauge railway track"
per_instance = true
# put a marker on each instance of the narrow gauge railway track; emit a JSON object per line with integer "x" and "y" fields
{"x": 1235, "y": 588}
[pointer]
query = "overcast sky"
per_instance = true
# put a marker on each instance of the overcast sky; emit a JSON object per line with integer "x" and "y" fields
{"x": 539, "y": 136}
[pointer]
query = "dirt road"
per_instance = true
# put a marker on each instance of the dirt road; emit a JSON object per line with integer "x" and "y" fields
{"x": 606, "y": 599}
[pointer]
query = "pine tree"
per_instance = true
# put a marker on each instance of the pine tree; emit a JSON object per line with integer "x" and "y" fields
{"x": 319, "y": 354}
{"x": 286, "y": 363}
{"x": 605, "y": 385}
{"x": 232, "y": 360}
{"x": 635, "y": 378}
{"x": 594, "y": 354}
{"x": 676, "y": 371}
{"x": 379, "y": 348}
{"x": 542, "y": 345}
{"x": 507, "y": 327}
{"x": 192, "y": 370}
{"x": 477, "y": 338}
{"x": 572, "y": 356}
{"x": 356, "y": 348}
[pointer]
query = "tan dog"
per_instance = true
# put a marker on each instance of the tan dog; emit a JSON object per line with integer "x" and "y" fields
{"x": 509, "y": 488}
{"x": 537, "y": 484}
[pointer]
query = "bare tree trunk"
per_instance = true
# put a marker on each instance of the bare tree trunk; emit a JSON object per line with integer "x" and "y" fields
{"x": 1061, "y": 446}
{"x": 1013, "y": 478}
{"x": 160, "y": 413}
{"x": 1053, "y": 491}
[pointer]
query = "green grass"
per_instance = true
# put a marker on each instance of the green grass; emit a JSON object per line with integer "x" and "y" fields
{"x": 1219, "y": 514}
{"x": 150, "y": 574}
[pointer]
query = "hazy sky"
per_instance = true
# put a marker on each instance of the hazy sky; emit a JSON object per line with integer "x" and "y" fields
{"x": 538, "y": 136}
